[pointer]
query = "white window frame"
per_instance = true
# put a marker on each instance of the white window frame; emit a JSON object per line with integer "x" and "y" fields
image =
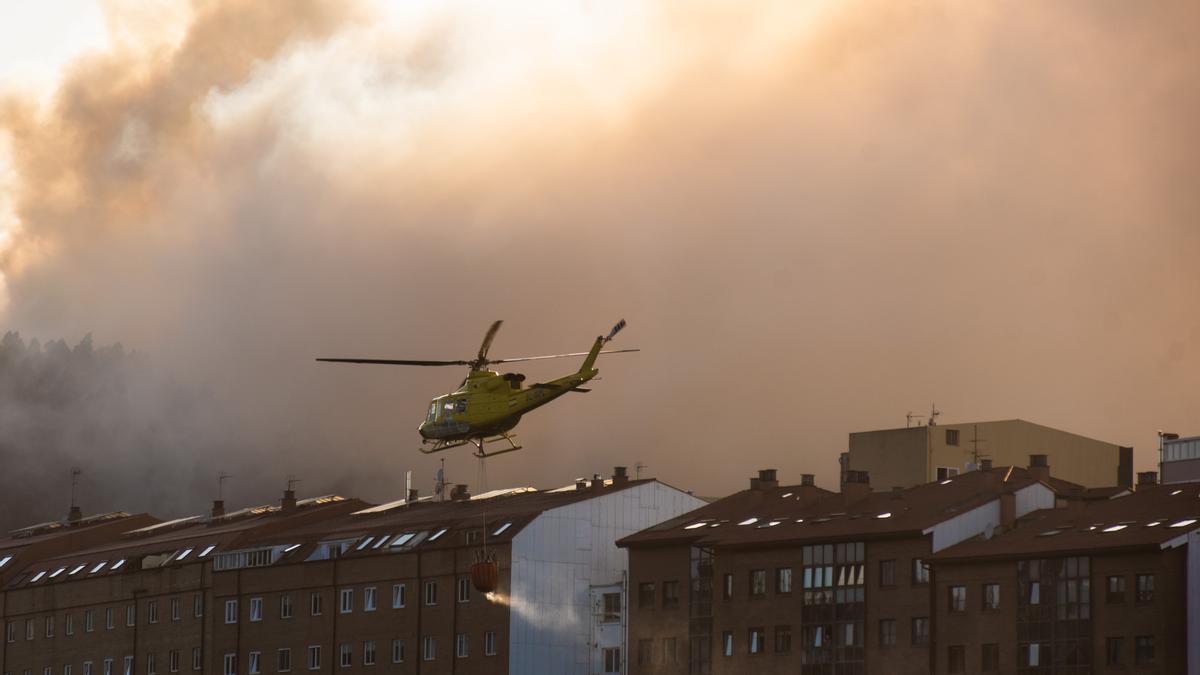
{"x": 283, "y": 660}
{"x": 256, "y": 605}
{"x": 197, "y": 658}
{"x": 176, "y": 612}
{"x": 69, "y": 624}
{"x": 462, "y": 646}
{"x": 230, "y": 664}
{"x": 399, "y": 596}
{"x": 89, "y": 620}
{"x": 231, "y": 611}
{"x": 315, "y": 603}
{"x": 314, "y": 657}
{"x": 151, "y": 664}
{"x": 254, "y": 663}
{"x": 151, "y": 611}
{"x": 346, "y": 601}
{"x": 368, "y": 656}
{"x": 131, "y": 615}
{"x": 110, "y": 618}
{"x": 369, "y": 595}
{"x": 489, "y": 643}
{"x": 198, "y": 605}
{"x": 430, "y": 594}
{"x": 285, "y": 606}
{"x": 128, "y": 665}
{"x": 398, "y": 650}
{"x": 87, "y": 668}
{"x": 50, "y": 626}
{"x": 428, "y": 648}
{"x": 108, "y": 664}
{"x": 345, "y": 655}
{"x": 464, "y": 589}
{"x": 172, "y": 661}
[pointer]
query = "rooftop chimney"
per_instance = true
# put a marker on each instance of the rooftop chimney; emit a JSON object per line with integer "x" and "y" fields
{"x": 218, "y": 509}
{"x": 807, "y": 493}
{"x": 597, "y": 482}
{"x": 897, "y": 492}
{"x": 581, "y": 483}
{"x": 807, "y": 479}
{"x": 985, "y": 465}
{"x": 413, "y": 495}
{"x": 1039, "y": 467}
{"x": 766, "y": 480}
{"x": 289, "y": 501}
{"x": 75, "y": 515}
{"x": 857, "y": 487}
{"x": 459, "y": 493}
{"x": 1147, "y": 478}
{"x": 620, "y": 476}
{"x": 1008, "y": 509}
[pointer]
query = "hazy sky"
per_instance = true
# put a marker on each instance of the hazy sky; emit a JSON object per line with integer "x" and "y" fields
{"x": 816, "y": 216}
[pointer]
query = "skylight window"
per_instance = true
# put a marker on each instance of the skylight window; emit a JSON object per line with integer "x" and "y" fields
{"x": 694, "y": 526}
{"x": 786, "y": 495}
{"x": 291, "y": 548}
{"x": 500, "y": 530}
{"x": 1177, "y": 492}
{"x": 58, "y": 572}
{"x": 885, "y": 514}
{"x": 1154, "y": 523}
{"x": 1049, "y": 533}
{"x": 749, "y": 521}
{"x": 1184, "y": 523}
{"x": 183, "y": 554}
{"x": 403, "y": 539}
{"x": 77, "y": 570}
{"x": 945, "y": 482}
{"x": 207, "y": 549}
{"x": 799, "y": 520}
{"x": 364, "y": 543}
{"x": 437, "y": 534}
{"x": 4, "y": 560}
{"x": 117, "y": 565}
{"x": 382, "y": 542}
{"x": 770, "y": 523}
{"x": 1114, "y": 528}
{"x": 37, "y": 577}
{"x": 99, "y": 566}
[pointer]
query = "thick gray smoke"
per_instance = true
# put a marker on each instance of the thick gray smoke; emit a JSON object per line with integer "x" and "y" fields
{"x": 815, "y": 217}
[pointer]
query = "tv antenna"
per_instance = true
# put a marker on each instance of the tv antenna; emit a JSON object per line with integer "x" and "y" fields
{"x": 933, "y": 415}
{"x": 637, "y": 470}
{"x": 75, "y": 471}
{"x": 291, "y": 482}
{"x": 909, "y": 419}
{"x": 221, "y": 478}
{"x": 975, "y": 441}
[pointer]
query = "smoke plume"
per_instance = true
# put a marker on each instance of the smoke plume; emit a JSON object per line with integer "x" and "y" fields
{"x": 815, "y": 216}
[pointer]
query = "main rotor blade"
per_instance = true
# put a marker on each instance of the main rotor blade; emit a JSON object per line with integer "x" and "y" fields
{"x": 562, "y": 356}
{"x": 399, "y": 362}
{"x": 487, "y": 342}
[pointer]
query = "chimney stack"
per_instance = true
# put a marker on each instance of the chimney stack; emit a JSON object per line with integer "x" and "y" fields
{"x": 581, "y": 483}
{"x": 459, "y": 493}
{"x": 985, "y": 465}
{"x": 597, "y": 482}
{"x": 413, "y": 495}
{"x": 1008, "y": 509}
{"x": 75, "y": 515}
{"x": 620, "y": 476}
{"x": 766, "y": 480}
{"x": 218, "y": 508}
{"x": 1039, "y": 467}
{"x": 857, "y": 487}
{"x": 808, "y": 493}
{"x": 1146, "y": 478}
{"x": 289, "y": 501}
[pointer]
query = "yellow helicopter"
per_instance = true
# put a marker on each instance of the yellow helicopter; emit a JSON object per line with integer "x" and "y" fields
{"x": 487, "y": 405}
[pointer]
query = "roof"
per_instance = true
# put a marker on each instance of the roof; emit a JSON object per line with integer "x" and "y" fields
{"x": 1151, "y": 517}
{"x": 1015, "y": 420}
{"x": 778, "y": 517}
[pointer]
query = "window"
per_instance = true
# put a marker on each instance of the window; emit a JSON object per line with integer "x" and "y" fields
{"x": 887, "y": 572}
{"x": 1113, "y": 647}
{"x": 991, "y": 597}
{"x": 956, "y": 658}
{"x": 67, "y": 670}
{"x": 176, "y": 613}
{"x": 920, "y": 572}
{"x": 130, "y": 615}
{"x": 28, "y": 629}
{"x": 887, "y": 632}
{"x": 756, "y": 638}
{"x": 314, "y": 657}
{"x": 645, "y": 594}
{"x": 346, "y": 655}
{"x": 347, "y": 601}
{"x": 1143, "y": 646}
{"x": 368, "y": 652}
{"x": 645, "y": 652}
{"x": 612, "y": 608}
{"x": 783, "y": 580}
{"x": 231, "y": 664}
{"x": 489, "y": 643}
{"x": 1032, "y": 655}
{"x": 152, "y": 611}
{"x": 952, "y": 437}
{"x": 1145, "y": 588}
{"x": 727, "y": 588}
{"x": 283, "y": 660}
{"x": 87, "y": 668}
{"x": 151, "y": 665}
{"x": 397, "y": 651}
{"x": 10, "y": 632}
{"x": 255, "y": 665}
{"x": 198, "y": 605}
{"x": 89, "y": 620}
{"x": 990, "y": 657}
{"x": 461, "y": 646}
{"x": 285, "y": 606}
{"x": 464, "y": 590}
{"x": 428, "y": 648}
{"x": 108, "y": 664}
{"x": 727, "y": 643}
{"x": 430, "y": 593}
{"x": 1035, "y": 592}
{"x": 783, "y": 639}
{"x": 612, "y": 659}
{"x": 109, "y": 618}
{"x": 172, "y": 661}
{"x": 758, "y": 582}
{"x": 946, "y": 472}
{"x": 197, "y": 658}
{"x": 256, "y": 609}
{"x": 231, "y": 611}
{"x": 958, "y": 599}
{"x": 398, "y": 596}
{"x": 50, "y": 626}
{"x": 920, "y": 630}
{"x": 670, "y": 651}
{"x": 670, "y": 594}
{"x": 69, "y": 624}
{"x": 1116, "y": 590}
{"x": 314, "y": 604}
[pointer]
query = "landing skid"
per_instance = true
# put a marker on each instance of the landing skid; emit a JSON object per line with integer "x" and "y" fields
{"x": 479, "y": 443}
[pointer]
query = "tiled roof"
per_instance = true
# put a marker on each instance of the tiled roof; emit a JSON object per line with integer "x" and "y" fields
{"x": 776, "y": 517}
{"x": 1148, "y": 517}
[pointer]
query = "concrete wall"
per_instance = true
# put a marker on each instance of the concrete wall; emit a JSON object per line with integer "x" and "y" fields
{"x": 892, "y": 457}
{"x": 558, "y": 558}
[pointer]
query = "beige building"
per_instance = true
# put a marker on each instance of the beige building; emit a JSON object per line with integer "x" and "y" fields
{"x": 906, "y": 457}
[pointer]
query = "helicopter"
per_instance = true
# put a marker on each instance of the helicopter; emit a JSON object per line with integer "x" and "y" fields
{"x": 487, "y": 405}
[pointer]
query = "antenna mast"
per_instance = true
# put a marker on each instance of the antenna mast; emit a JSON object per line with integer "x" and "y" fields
{"x": 933, "y": 415}
{"x": 975, "y": 441}
{"x": 221, "y": 478}
{"x": 75, "y": 471}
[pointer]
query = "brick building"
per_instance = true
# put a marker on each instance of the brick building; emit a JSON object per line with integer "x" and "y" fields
{"x": 800, "y": 579}
{"x": 334, "y": 585}
{"x": 1098, "y": 586}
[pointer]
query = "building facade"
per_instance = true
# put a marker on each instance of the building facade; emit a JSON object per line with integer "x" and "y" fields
{"x": 1180, "y": 459}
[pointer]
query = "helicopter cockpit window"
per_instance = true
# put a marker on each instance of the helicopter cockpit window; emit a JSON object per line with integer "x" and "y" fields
{"x": 432, "y": 412}
{"x": 457, "y": 405}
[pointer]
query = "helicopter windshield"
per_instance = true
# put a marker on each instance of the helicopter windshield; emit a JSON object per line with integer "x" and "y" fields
{"x": 432, "y": 412}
